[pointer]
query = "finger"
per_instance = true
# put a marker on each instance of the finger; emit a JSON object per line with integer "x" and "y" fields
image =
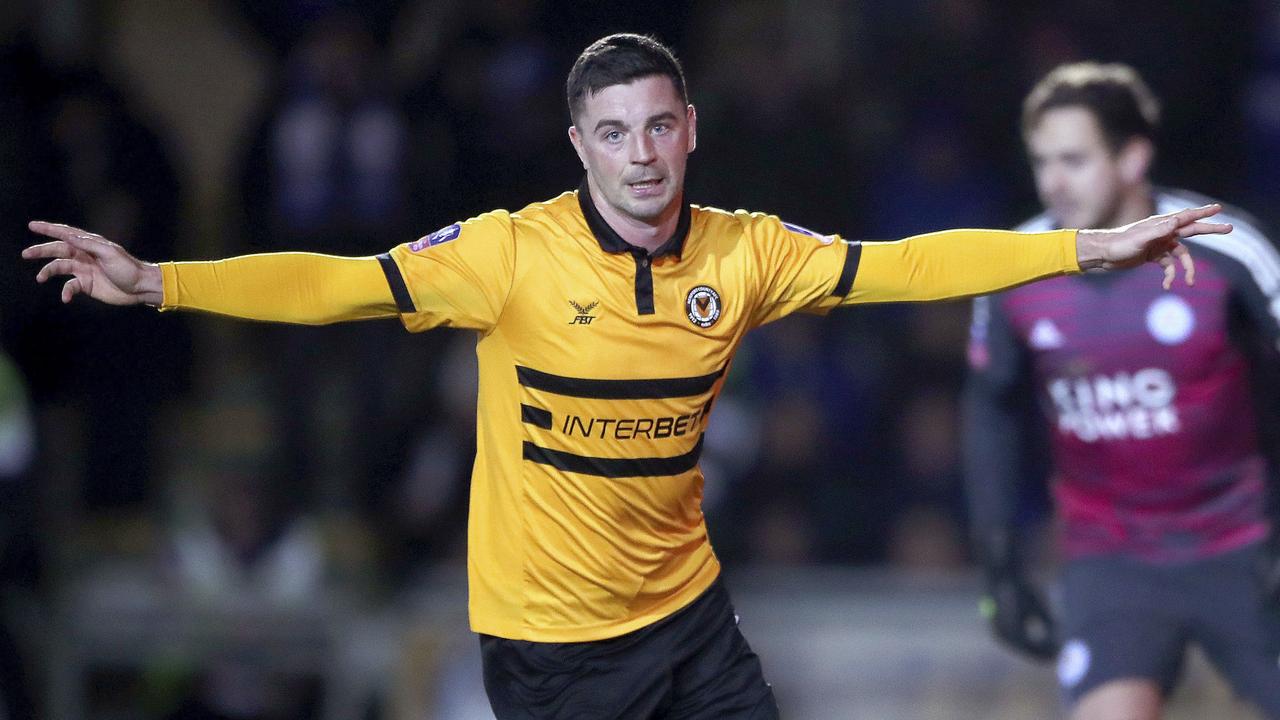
{"x": 1184, "y": 256}
{"x": 56, "y": 249}
{"x": 1191, "y": 215}
{"x": 91, "y": 243}
{"x": 57, "y": 231}
{"x": 55, "y": 268}
{"x": 1170, "y": 271}
{"x": 71, "y": 289}
{"x": 1204, "y": 228}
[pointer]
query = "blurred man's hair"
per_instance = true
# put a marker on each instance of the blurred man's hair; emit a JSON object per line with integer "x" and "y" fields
{"x": 617, "y": 60}
{"x": 1116, "y": 95}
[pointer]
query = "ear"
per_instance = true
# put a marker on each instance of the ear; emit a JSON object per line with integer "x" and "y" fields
{"x": 691, "y": 116}
{"x": 1134, "y": 160}
{"x": 576, "y": 140}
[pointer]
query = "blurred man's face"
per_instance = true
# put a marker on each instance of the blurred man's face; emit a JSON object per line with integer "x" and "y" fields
{"x": 1081, "y": 181}
{"x": 634, "y": 141}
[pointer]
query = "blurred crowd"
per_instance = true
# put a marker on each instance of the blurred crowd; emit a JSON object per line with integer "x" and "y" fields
{"x": 289, "y": 464}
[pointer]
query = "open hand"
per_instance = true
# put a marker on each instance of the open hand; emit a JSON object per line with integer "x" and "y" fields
{"x": 1155, "y": 239}
{"x": 98, "y": 267}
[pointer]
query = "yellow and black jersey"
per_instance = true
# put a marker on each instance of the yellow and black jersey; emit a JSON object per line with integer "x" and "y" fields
{"x": 599, "y": 367}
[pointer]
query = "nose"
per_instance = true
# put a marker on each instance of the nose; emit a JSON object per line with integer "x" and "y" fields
{"x": 642, "y": 150}
{"x": 1052, "y": 180}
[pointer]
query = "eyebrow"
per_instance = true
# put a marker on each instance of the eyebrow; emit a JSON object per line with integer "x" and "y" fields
{"x": 668, "y": 115}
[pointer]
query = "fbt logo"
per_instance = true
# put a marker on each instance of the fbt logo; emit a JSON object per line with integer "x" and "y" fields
{"x": 584, "y": 316}
{"x": 1121, "y": 406}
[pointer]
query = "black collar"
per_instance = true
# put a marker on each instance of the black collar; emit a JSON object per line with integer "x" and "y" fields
{"x": 611, "y": 241}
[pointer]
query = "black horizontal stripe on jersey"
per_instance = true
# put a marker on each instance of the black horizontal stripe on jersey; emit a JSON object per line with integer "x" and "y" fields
{"x": 617, "y": 389}
{"x": 404, "y": 301}
{"x": 614, "y": 467}
{"x": 853, "y": 254}
{"x": 535, "y": 416}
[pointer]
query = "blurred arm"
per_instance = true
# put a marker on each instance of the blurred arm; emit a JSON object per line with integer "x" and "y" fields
{"x": 993, "y": 433}
{"x": 993, "y": 445}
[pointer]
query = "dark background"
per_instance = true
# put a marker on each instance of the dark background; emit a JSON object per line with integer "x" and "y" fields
{"x": 218, "y": 458}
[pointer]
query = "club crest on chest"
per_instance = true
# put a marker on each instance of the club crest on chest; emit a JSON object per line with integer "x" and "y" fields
{"x": 703, "y": 306}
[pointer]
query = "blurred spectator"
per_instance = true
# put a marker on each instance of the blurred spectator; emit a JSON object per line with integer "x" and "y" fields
{"x": 326, "y": 172}
{"x": 18, "y": 526}
{"x": 812, "y": 488}
{"x": 244, "y": 546}
{"x": 25, "y": 154}
{"x": 485, "y": 115}
{"x": 769, "y": 134}
{"x": 248, "y": 537}
{"x": 1262, "y": 117}
{"x": 935, "y": 181}
{"x": 927, "y": 530}
{"x": 423, "y": 499}
{"x": 284, "y": 23}
{"x": 115, "y": 369}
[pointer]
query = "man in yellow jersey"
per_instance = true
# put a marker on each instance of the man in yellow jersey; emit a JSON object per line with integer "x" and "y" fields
{"x": 607, "y": 319}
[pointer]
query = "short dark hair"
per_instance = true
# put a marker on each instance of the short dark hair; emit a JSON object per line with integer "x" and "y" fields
{"x": 617, "y": 60}
{"x": 1116, "y": 95}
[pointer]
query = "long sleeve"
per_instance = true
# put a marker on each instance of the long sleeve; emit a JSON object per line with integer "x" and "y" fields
{"x": 303, "y": 288}
{"x": 959, "y": 263}
{"x": 994, "y": 431}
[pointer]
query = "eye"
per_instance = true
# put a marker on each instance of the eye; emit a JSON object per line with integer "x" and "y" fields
{"x": 660, "y": 129}
{"x": 613, "y": 136}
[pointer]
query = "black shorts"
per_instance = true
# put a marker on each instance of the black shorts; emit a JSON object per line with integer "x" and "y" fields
{"x": 1123, "y": 618}
{"x": 693, "y": 664}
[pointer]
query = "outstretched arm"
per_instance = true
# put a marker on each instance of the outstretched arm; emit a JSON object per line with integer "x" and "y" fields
{"x": 304, "y": 288}
{"x": 963, "y": 263}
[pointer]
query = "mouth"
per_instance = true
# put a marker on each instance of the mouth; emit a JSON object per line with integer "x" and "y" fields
{"x": 648, "y": 186}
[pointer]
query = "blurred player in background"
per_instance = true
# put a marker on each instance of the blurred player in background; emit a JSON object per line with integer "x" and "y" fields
{"x": 607, "y": 319}
{"x": 1151, "y": 407}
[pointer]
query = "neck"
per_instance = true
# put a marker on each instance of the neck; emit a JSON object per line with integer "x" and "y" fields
{"x": 1136, "y": 205}
{"x": 647, "y": 234}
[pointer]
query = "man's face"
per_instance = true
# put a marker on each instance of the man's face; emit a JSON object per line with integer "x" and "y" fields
{"x": 634, "y": 141}
{"x": 1081, "y": 181}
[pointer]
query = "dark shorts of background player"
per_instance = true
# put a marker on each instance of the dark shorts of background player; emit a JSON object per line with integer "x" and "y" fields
{"x": 1123, "y": 618}
{"x": 692, "y": 664}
